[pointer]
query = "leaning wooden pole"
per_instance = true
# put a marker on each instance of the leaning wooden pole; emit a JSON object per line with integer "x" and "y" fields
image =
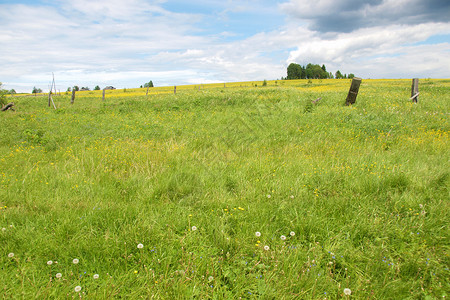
{"x": 415, "y": 90}
{"x": 353, "y": 92}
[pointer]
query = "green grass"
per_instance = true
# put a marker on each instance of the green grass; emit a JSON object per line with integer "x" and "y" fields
{"x": 365, "y": 189}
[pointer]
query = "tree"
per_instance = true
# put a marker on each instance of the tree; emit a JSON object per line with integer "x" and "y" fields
{"x": 294, "y": 71}
{"x": 2, "y": 95}
{"x": 351, "y": 76}
{"x": 76, "y": 88}
{"x": 12, "y": 91}
{"x": 338, "y": 75}
{"x": 69, "y": 89}
{"x": 97, "y": 88}
{"x": 36, "y": 90}
{"x": 148, "y": 84}
{"x": 316, "y": 72}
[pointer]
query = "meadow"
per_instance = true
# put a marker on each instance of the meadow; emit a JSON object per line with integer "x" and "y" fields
{"x": 228, "y": 192}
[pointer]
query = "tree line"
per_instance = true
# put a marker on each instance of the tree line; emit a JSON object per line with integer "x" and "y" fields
{"x": 313, "y": 71}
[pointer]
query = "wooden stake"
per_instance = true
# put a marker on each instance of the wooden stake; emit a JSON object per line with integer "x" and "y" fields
{"x": 415, "y": 90}
{"x": 103, "y": 97}
{"x": 353, "y": 92}
{"x": 73, "y": 97}
{"x": 146, "y": 94}
{"x": 50, "y": 99}
{"x": 175, "y": 89}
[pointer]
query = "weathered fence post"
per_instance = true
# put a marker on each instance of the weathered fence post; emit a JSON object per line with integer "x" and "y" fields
{"x": 415, "y": 90}
{"x": 174, "y": 89}
{"x": 103, "y": 96}
{"x": 73, "y": 97}
{"x": 146, "y": 93}
{"x": 353, "y": 92}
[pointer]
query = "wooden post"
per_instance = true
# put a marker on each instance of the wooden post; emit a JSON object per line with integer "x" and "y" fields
{"x": 353, "y": 92}
{"x": 415, "y": 90}
{"x": 103, "y": 96}
{"x": 174, "y": 89}
{"x": 73, "y": 97}
{"x": 146, "y": 94}
{"x": 49, "y": 97}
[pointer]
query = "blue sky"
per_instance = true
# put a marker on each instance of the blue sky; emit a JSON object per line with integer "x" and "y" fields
{"x": 127, "y": 43}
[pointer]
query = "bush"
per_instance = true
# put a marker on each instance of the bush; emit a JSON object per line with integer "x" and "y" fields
{"x": 2, "y": 95}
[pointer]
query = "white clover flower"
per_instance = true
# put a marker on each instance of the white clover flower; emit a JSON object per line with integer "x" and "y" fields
{"x": 283, "y": 237}
{"x": 11, "y": 255}
{"x": 75, "y": 261}
{"x": 292, "y": 233}
{"x": 96, "y": 276}
{"x": 258, "y": 234}
{"x": 58, "y": 275}
{"x": 77, "y": 289}
{"x": 49, "y": 263}
{"x": 347, "y": 291}
{"x": 210, "y": 278}
{"x": 266, "y": 248}
{"x": 140, "y": 246}
{"x": 194, "y": 228}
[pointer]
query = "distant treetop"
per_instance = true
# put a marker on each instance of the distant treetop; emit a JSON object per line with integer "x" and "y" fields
{"x": 312, "y": 71}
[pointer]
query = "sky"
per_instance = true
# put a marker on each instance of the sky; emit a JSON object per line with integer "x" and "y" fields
{"x": 173, "y": 42}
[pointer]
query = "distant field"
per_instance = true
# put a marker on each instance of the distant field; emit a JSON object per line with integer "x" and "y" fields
{"x": 227, "y": 192}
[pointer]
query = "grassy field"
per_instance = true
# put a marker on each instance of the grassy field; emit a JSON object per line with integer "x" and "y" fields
{"x": 228, "y": 192}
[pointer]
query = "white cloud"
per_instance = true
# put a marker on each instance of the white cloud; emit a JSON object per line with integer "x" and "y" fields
{"x": 379, "y": 51}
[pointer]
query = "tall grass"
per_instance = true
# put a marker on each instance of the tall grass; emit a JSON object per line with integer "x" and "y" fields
{"x": 193, "y": 176}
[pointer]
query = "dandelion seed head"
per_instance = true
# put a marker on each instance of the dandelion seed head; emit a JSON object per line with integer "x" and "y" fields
{"x": 77, "y": 289}
{"x": 258, "y": 234}
{"x": 75, "y": 261}
{"x": 49, "y": 263}
{"x": 283, "y": 237}
{"x": 210, "y": 278}
{"x": 292, "y": 196}
{"x": 194, "y": 228}
{"x": 347, "y": 291}
{"x": 292, "y": 233}
{"x": 58, "y": 275}
{"x": 268, "y": 196}
{"x": 266, "y": 248}
{"x": 11, "y": 254}
{"x": 96, "y": 276}
{"x": 140, "y": 246}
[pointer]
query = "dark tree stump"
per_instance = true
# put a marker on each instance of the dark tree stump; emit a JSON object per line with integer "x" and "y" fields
{"x": 415, "y": 90}
{"x": 353, "y": 92}
{"x": 73, "y": 97}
